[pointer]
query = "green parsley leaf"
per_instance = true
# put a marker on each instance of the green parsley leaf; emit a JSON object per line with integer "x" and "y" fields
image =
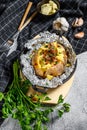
{"x": 66, "y": 107}
{"x": 1, "y": 96}
{"x": 47, "y": 98}
{"x": 60, "y": 100}
{"x": 60, "y": 112}
{"x": 47, "y": 83}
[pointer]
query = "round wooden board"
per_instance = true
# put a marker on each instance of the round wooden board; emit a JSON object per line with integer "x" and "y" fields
{"x": 54, "y": 93}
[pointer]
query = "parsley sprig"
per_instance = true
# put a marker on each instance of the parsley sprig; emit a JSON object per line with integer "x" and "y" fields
{"x": 65, "y": 106}
{"x": 31, "y": 115}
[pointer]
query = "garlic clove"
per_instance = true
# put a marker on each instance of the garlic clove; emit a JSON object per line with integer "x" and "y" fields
{"x": 64, "y": 28}
{"x": 64, "y": 22}
{"x": 77, "y": 22}
{"x": 80, "y": 21}
{"x": 79, "y": 35}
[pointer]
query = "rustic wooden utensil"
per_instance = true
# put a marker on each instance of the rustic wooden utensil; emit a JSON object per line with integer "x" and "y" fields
{"x": 11, "y": 44}
{"x": 28, "y": 21}
{"x": 25, "y": 15}
{"x": 10, "y": 41}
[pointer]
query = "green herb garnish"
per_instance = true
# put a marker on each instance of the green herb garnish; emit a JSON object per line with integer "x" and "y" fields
{"x": 31, "y": 115}
{"x": 60, "y": 112}
{"x": 1, "y": 96}
{"x": 47, "y": 83}
{"x": 47, "y": 98}
{"x": 66, "y": 107}
{"x": 60, "y": 100}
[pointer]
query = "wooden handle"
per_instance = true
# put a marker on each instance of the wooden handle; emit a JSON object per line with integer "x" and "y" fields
{"x": 25, "y": 15}
{"x": 29, "y": 20}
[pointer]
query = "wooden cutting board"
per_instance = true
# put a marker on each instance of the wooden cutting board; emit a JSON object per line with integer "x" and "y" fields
{"x": 54, "y": 93}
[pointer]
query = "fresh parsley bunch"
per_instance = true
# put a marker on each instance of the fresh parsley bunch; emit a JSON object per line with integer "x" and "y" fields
{"x": 31, "y": 115}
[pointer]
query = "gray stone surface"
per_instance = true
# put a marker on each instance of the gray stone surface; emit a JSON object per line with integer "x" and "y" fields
{"x": 76, "y": 119}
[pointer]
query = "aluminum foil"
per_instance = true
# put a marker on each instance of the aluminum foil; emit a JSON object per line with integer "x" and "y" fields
{"x": 35, "y": 44}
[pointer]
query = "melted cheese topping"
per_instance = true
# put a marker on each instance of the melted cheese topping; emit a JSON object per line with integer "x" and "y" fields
{"x": 48, "y": 56}
{"x": 43, "y": 53}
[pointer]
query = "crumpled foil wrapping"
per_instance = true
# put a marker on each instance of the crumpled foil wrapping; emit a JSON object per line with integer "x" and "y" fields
{"x": 35, "y": 44}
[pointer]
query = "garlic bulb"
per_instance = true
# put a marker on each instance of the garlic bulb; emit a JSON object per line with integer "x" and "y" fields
{"x": 61, "y": 24}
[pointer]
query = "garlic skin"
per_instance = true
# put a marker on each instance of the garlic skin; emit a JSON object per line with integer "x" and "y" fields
{"x": 61, "y": 24}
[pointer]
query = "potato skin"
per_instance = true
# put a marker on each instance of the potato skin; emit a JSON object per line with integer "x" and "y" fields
{"x": 38, "y": 70}
{"x": 56, "y": 70}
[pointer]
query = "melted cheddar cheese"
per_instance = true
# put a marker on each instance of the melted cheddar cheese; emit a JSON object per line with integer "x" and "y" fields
{"x": 48, "y": 56}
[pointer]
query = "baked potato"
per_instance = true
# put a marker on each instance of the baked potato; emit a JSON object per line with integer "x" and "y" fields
{"x": 49, "y": 60}
{"x": 46, "y": 57}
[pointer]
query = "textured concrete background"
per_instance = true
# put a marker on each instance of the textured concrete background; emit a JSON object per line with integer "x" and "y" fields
{"x": 76, "y": 119}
